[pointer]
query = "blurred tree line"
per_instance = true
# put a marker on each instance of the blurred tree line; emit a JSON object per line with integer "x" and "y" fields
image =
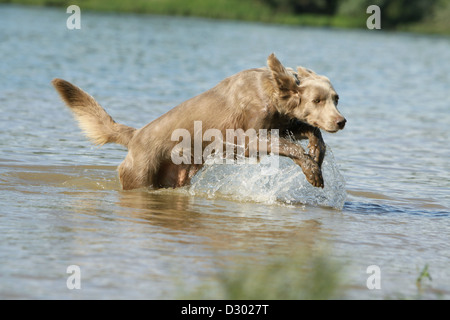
{"x": 431, "y": 16}
{"x": 393, "y": 12}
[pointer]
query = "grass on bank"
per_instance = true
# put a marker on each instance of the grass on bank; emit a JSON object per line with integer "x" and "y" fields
{"x": 437, "y": 23}
{"x": 351, "y": 13}
{"x": 218, "y": 9}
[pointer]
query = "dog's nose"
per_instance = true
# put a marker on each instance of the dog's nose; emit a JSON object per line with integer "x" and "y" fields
{"x": 341, "y": 123}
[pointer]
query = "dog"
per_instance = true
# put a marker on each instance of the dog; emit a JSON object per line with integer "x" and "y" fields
{"x": 298, "y": 103}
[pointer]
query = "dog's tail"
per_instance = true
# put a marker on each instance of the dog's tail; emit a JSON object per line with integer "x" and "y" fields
{"x": 93, "y": 119}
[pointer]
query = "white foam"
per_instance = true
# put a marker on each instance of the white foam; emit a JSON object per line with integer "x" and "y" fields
{"x": 269, "y": 183}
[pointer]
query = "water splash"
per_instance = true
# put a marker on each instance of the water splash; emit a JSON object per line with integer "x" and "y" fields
{"x": 265, "y": 182}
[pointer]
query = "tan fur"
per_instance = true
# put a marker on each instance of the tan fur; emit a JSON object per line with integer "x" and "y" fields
{"x": 262, "y": 98}
{"x": 93, "y": 119}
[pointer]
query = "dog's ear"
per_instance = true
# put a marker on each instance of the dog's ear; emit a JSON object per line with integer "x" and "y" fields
{"x": 283, "y": 79}
{"x": 305, "y": 73}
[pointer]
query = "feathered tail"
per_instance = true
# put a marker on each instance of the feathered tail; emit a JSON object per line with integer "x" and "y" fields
{"x": 93, "y": 119}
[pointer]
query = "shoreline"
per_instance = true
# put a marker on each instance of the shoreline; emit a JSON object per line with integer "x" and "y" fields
{"x": 238, "y": 10}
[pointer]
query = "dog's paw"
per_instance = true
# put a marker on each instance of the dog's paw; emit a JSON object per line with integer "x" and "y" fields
{"x": 312, "y": 171}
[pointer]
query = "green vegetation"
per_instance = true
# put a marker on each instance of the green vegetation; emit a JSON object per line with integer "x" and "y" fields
{"x": 429, "y": 16}
{"x": 305, "y": 275}
{"x": 423, "y": 274}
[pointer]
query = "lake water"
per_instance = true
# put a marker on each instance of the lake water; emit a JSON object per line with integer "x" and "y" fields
{"x": 387, "y": 175}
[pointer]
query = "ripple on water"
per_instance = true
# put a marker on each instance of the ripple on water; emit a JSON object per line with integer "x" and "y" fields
{"x": 384, "y": 209}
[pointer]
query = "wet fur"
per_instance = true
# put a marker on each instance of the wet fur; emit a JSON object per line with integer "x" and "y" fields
{"x": 297, "y": 103}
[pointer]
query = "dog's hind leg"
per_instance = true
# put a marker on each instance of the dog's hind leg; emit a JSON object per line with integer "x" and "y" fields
{"x": 136, "y": 174}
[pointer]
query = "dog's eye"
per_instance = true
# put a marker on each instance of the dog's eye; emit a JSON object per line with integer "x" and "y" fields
{"x": 316, "y": 100}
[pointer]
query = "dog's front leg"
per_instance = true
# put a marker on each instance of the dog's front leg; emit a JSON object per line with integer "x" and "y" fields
{"x": 316, "y": 146}
{"x": 310, "y": 167}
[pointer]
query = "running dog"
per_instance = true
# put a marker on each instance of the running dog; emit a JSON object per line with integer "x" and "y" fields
{"x": 296, "y": 102}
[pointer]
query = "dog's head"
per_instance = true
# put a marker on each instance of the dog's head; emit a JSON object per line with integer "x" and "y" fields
{"x": 306, "y": 96}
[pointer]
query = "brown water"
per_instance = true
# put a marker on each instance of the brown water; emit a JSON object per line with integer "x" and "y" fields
{"x": 386, "y": 203}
